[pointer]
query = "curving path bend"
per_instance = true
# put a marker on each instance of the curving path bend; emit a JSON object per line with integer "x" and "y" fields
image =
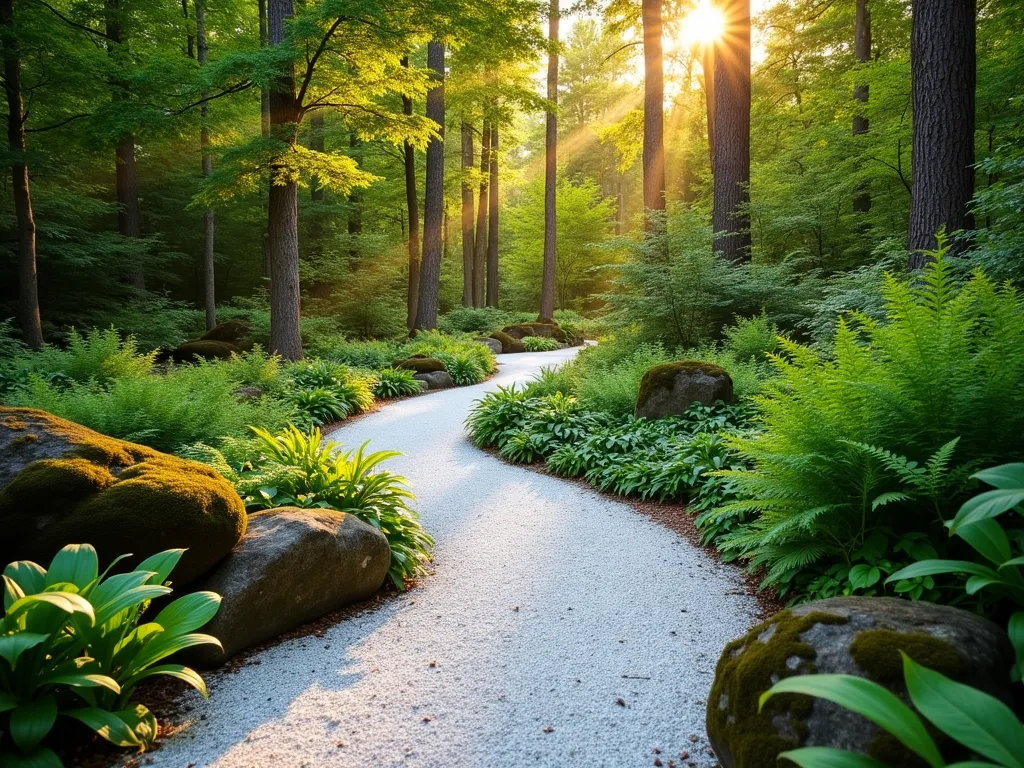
{"x": 567, "y": 629}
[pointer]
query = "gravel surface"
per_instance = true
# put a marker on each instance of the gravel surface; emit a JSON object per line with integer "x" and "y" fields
{"x": 559, "y": 628}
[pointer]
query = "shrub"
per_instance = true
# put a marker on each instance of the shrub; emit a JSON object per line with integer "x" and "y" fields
{"x": 432, "y": 343}
{"x": 478, "y": 320}
{"x": 364, "y": 354}
{"x": 551, "y": 380}
{"x": 319, "y": 405}
{"x": 863, "y": 449}
{"x": 100, "y": 356}
{"x": 463, "y": 368}
{"x": 609, "y": 380}
{"x": 256, "y": 369}
{"x": 71, "y": 630}
{"x": 751, "y": 338}
{"x": 395, "y": 382}
{"x": 539, "y": 344}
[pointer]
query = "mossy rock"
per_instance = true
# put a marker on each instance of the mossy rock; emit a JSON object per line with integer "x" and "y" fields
{"x": 419, "y": 364}
{"x": 72, "y": 485}
{"x": 855, "y": 636}
{"x": 230, "y": 331}
{"x": 670, "y": 389}
{"x": 203, "y": 349}
{"x": 548, "y": 329}
{"x": 509, "y": 345}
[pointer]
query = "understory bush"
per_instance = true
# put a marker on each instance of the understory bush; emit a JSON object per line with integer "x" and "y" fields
{"x": 99, "y": 356}
{"x": 539, "y": 344}
{"x": 395, "y": 382}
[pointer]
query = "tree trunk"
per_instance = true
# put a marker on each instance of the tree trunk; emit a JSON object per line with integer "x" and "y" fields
{"x": 943, "y": 76}
{"x": 283, "y": 202}
{"x": 412, "y": 206}
{"x": 862, "y": 46}
{"x": 207, "y": 162}
{"x": 654, "y": 117}
{"x": 730, "y": 220}
{"x": 355, "y": 201}
{"x": 28, "y": 284}
{"x": 264, "y": 92}
{"x": 492, "y": 223}
{"x": 433, "y": 204}
{"x": 547, "y": 292}
{"x": 480, "y": 252}
{"x": 467, "y": 215}
{"x": 708, "y": 65}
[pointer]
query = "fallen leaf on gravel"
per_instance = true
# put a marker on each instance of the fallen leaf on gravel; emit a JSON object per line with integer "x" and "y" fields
{"x": 693, "y": 738}
{"x": 434, "y": 664}
{"x": 340, "y": 744}
{"x": 426, "y": 719}
{"x": 657, "y": 761}
{"x": 683, "y": 755}
{"x": 548, "y": 729}
{"x": 620, "y": 702}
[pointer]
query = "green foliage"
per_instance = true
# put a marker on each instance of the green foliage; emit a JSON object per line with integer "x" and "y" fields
{"x": 256, "y": 369}
{"x": 751, "y": 338}
{"x": 475, "y": 320}
{"x": 100, "y": 356}
{"x": 395, "y": 382}
{"x": 539, "y": 344}
{"x": 365, "y": 354}
{"x": 71, "y": 644}
{"x": 467, "y": 361}
{"x": 319, "y": 404}
{"x": 979, "y": 722}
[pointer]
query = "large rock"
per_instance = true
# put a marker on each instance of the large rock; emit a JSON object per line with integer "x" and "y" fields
{"x": 509, "y": 345}
{"x": 231, "y": 331}
{"x": 547, "y": 329}
{"x": 61, "y": 483}
{"x": 419, "y": 363}
{"x": 670, "y": 388}
{"x": 435, "y": 380}
{"x": 293, "y": 566}
{"x": 204, "y": 349}
{"x": 847, "y": 635}
{"x": 492, "y": 344}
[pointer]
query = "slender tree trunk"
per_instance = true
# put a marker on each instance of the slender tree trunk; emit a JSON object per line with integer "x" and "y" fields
{"x": 283, "y": 202}
{"x": 355, "y": 201}
{"x": 730, "y": 220}
{"x": 412, "y": 206}
{"x": 547, "y": 292}
{"x": 492, "y": 223}
{"x": 620, "y": 213}
{"x": 207, "y": 161}
{"x": 467, "y": 215}
{"x": 28, "y": 284}
{"x": 708, "y": 65}
{"x": 862, "y": 46}
{"x": 480, "y": 252}
{"x": 654, "y": 112}
{"x": 943, "y": 77}
{"x": 264, "y": 128}
{"x": 433, "y": 204}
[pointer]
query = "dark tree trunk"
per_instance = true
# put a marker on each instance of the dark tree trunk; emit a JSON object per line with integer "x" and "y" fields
{"x": 547, "y": 292}
{"x": 943, "y": 76}
{"x": 480, "y": 251}
{"x": 283, "y": 202}
{"x": 730, "y": 220}
{"x": 862, "y": 46}
{"x": 433, "y": 204}
{"x": 654, "y": 117}
{"x": 412, "y": 206}
{"x": 708, "y": 65}
{"x": 355, "y": 201}
{"x": 467, "y": 215}
{"x": 316, "y": 143}
{"x": 28, "y": 284}
{"x": 209, "y": 285}
{"x": 264, "y": 92}
{"x": 492, "y": 223}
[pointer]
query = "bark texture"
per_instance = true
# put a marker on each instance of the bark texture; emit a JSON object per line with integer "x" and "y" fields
{"x": 433, "y": 204}
{"x": 480, "y": 250}
{"x": 654, "y": 112}
{"x": 547, "y": 292}
{"x": 943, "y": 76}
{"x": 28, "y": 283}
{"x": 731, "y": 162}
{"x": 862, "y": 48}
{"x": 492, "y": 223}
{"x": 413, "y": 208}
{"x": 467, "y": 215}
{"x": 209, "y": 284}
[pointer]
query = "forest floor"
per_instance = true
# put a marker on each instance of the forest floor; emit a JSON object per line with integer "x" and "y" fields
{"x": 559, "y": 627}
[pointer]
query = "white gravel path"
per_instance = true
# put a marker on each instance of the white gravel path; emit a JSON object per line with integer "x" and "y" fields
{"x": 548, "y": 604}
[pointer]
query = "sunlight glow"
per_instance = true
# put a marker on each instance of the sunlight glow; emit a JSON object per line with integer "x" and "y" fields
{"x": 704, "y": 24}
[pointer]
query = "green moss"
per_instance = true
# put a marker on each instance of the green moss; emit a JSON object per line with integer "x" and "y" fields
{"x": 748, "y": 667}
{"x": 203, "y": 349}
{"x": 419, "y": 364}
{"x": 508, "y": 344}
{"x": 231, "y": 331}
{"x": 14, "y": 423}
{"x": 24, "y": 440}
{"x": 662, "y": 376}
{"x": 547, "y": 328}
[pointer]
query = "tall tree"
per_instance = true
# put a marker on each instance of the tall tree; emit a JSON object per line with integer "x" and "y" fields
{"x": 433, "y": 204}
{"x": 209, "y": 285}
{"x": 943, "y": 76}
{"x": 862, "y": 48}
{"x": 492, "y": 222}
{"x": 355, "y": 202}
{"x": 28, "y": 285}
{"x": 730, "y": 219}
{"x": 467, "y": 214}
{"x": 654, "y": 117}
{"x": 413, "y": 211}
{"x": 547, "y": 292}
{"x": 480, "y": 251}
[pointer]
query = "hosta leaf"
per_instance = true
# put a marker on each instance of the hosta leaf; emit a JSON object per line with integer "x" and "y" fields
{"x": 29, "y": 723}
{"x": 827, "y": 757}
{"x": 30, "y": 576}
{"x": 142, "y": 722}
{"x": 986, "y": 505}
{"x": 129, "y": 599}
{"x": 162, "y": 563}
{"x": 40, "y": 757}
{"x": 76, "y": 564}
{"x": 932, "y": 567}
{"x": 84, "y": 681}
{"x": 177, "y": 671}
{"x": 106, "y": 725}
{"x": 12, "y": 646}
{"x": 188, "y": 613}
{"x": 65, "y": 601}
{"x": 1005, "y": 477}
{"x": 988, "y": 538}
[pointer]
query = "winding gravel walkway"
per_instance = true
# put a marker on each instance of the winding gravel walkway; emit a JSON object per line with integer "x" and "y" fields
{"x": 567, "y": 629}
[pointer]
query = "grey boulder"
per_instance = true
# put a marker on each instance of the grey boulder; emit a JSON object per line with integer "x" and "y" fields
{"x": 435, "y": 380}
{"x": 846, "y": 635}
{"x": 670, "y": 389}
{"x": 293, "y": 566}
{"x": 492, "y": 344}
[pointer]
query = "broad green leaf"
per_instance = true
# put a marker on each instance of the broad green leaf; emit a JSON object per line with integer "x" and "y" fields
{"x": 129, "y": 599}
{"x": 986, "y": 505}
{"x": 1005, "y": 476}
{"x": 988, "y": 538}
{"x": 165, "y": 645}
{"x": 877, "y": 704}
{"x": 975, "y": 719}
{"x": 12, "y": 592}
{"x": 142, "y": 722}
{"x": 1014, "y": 562}
{"x": 31, "y": 577}
{"x": 977, "y": 583}
{"x": 76, "y": 564}
{"x": 178, "y": 671}
{"x": 162, "y": 563}
{"x": 827, "y": 757}
{"x": 7, "y": 701}
{"x": 932, "y": 567}
{"x": 863, "y": 576}
{"x": 1015, "y": 630}
{"x": 188, "y": 613}
{"x": 12, "y": 646}
{"x": 29, "y": 723}
{"x": 107, "y": 725}
{"x": 65, "y": 601}
{"x": 40, "y": 757}
{"x": 84, "y": 681}
{"x": 107, "y": 589}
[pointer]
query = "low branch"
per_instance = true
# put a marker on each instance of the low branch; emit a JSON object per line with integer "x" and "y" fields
{"x": 237, "y": 88}
{"x": 61, "y": 124}
{"x": 311, "y": 62}
{"x": 75, "y": 24}
{"x": 620, "y": 49}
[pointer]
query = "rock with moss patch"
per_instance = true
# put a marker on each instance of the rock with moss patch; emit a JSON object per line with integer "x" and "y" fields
{"x": 203, "y": 349}
{"x": 509, "y": 345}
{"x": 492, "y": 344}
{"x": 230, "y": 331}
{"x": 855, "y": 636}
{"x": 670, "y": 389}
{"x": 69, "y": 485}
{"x": 419, "y": 364}
{"x": 293, "y": 566}
{"x": 549, "y": 329}
{"x": 435, "y": 380}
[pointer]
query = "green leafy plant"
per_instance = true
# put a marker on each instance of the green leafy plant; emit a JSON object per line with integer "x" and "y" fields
{"x": 539, "y": 344}
{"x": 395, "y": 382}
{"x": 464, "y": 369}
{"x": 319, "y": 404}
{"x": 100, "y": 356}
{"x": 979, "y": 722}
{"x": 71, "y": 644}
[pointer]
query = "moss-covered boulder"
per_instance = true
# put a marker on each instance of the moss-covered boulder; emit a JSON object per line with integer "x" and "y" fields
{"x": 419, "y": 364}
{"x": 855, "y": 636}
{"x": 509, "y": 344}
{"x": 548, "y": 329}
{"x": 61, "y": 483}
{"x": 492, "y": 344}
{"x": 230, "y": 331}
{"x": 670, "y": 388}
{"x": 203, "y": 349}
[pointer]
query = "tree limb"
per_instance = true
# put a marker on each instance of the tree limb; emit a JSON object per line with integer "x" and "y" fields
{"x": 57, "y": 125}
{"x": 75, "y": 24}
